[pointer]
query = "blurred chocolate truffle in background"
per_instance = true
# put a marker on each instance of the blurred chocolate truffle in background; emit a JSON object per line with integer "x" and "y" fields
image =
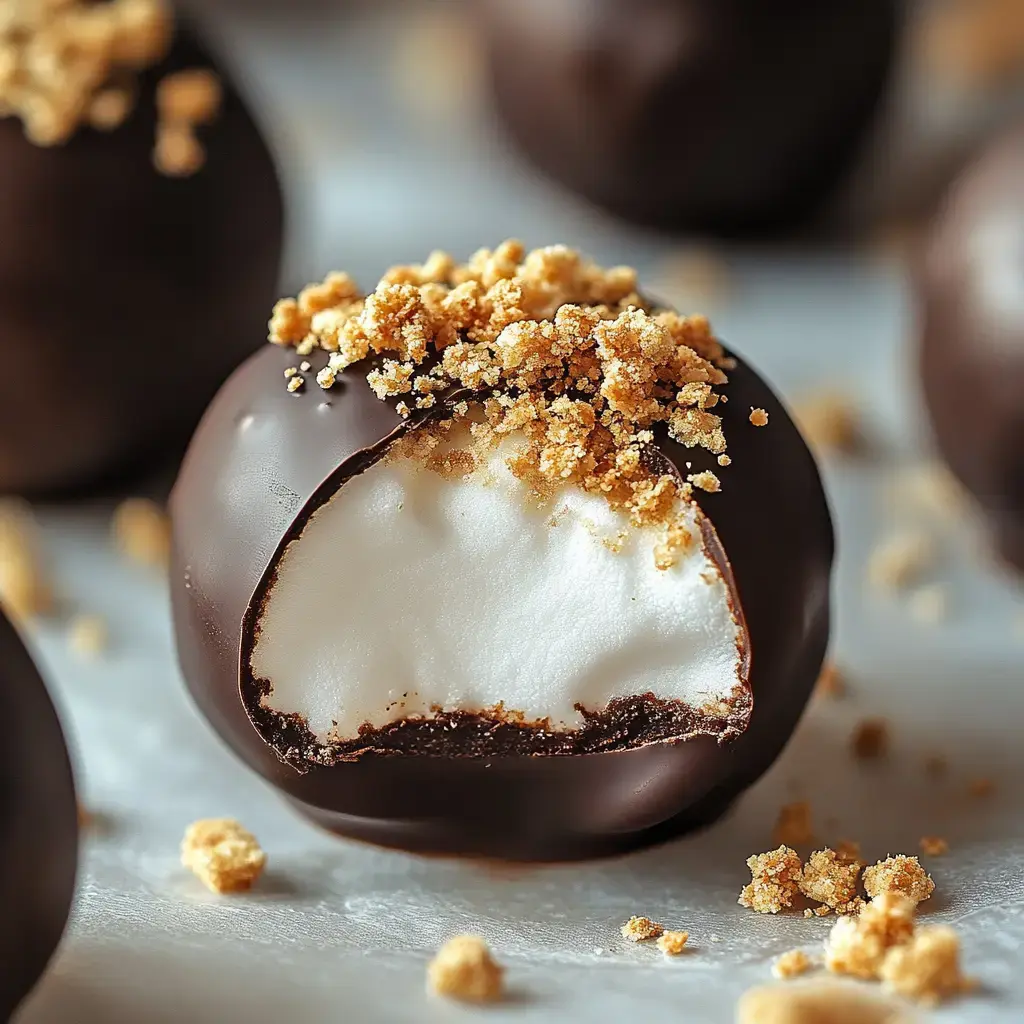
{"x": 38, "y": 824}
{"x": 140, "y": 238}
{"x": 970, "y": 291}
{"x": 725, "y": 117}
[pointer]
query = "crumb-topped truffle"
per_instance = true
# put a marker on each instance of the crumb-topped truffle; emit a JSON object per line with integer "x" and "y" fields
{"x": 547, "y": 551}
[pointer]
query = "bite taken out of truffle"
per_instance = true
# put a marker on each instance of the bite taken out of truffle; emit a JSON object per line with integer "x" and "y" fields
{"x": 140, "y": 237}
{"x": 38, "y": 825}
{"x": 970, "y": 296}
{"x": 462, "y": 564}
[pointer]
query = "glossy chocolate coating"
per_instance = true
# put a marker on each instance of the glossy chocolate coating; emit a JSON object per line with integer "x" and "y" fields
{"x": 38, "y": 824}
{"x": 970, "y": 290}
{"x": 260, "y": 454}
{"x": 728, "y": 117}
{"x": 126, "y": 297}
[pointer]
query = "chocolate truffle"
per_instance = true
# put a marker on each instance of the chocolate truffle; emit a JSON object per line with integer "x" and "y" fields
{"x": 727, "y": 117}
{"x": 38, "y": 825}
{"x": 463, "y": 565}
{"x": 970, "y": 291}
{"x": 140, "y": 234}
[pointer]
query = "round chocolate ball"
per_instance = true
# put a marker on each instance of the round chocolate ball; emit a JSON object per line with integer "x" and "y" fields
{"x": 725, "y": 117}
{"x": 126, "y": 295}
{"x": 39, "y": 820}
{"x": 423, "y": 659}
{"x": 970, "y": 292}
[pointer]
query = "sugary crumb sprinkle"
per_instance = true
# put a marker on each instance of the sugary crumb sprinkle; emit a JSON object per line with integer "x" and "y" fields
{"x": 900, "y": 874}
{"x": 88, "y": 635}
{"x": 870, "y": 739}
{"x": 641, "y": 929}
{"x": 832, "y": 880}
{"x": 142, "y": 531}
{"x": 672, "y": 943}
{"x": 759, "y": 417}
{"x": 776, "y": 881}
{"x": 792, "y": 964}
{"x": 933, "y": 846}
{"x": 222, "y": 854}
{"x": 465, "y": 969}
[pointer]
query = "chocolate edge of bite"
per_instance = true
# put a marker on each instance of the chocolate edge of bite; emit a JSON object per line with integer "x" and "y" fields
{"x": 624, "y": 723}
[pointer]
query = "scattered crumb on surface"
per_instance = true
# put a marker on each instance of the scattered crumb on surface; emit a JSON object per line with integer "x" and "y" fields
{"x": 25, "y": 591}
{"x": 870, "y": 739}
{"x": 927, "y": 967}
{"x": 981, "y": 788}
{"x": 758, "y": 417}
{"x": 830, "y": 423}
{"x": 88, "y": 635}
{"x": 899, "y": 561}
{"x": 793, "y": 826}
{"x": 930, "y": 604}
{"x": 900, "y": 874}
{"x": 832, "y": 880}
{"x": 142, "y": 531}
{"x": 857, "y": 944}
{"x": 831, "y": 682}
{"x": 222, "y": 854}
{"x": 776, "y": 881}
{"x": 817, "y": 1002}
{"x": 706, "y": 481}
{"x": 465, "y": 969}
{"x": 672, "y": 943}
{"x": 640, "y": 929}
{"x": 934, "y": 846}
{"x": 792, "y": 964}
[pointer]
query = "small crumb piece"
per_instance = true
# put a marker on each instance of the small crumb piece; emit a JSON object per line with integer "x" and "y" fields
{"x": 109, "y": 109}
{"x": 898, "y": 562}
{"x": 640, "y": 929}
{"x": 759, "y": 417}
{"x": 934, "y": 846}
{"x": 930, "y": 605}
{"x": 189, "y": 97}
{"x": 290, "y": 371}
{"x": 927, "y": 968}
{"x": 793, "y": 827}
{"x": 706, "y": 481}
{"x": 88, "y": 635}
{"x": 142, "y": 531}
{"x": 295, "y": 383}
{"x": 222, "y": 854}
{"x": 830, "y": 423}
{"x": 24, "y": 588}
{"x": 326, "y": 378}
{"x": 816, "y": 1002}
{"x": 870, "y": 739}
{"x": 981, "y": 788}
{"x": 178, "y": 153}
{"x": 792, "y": 964}
{"x": 830, "y": 682}
{"x": 672, "y": 943}
{"x": 465, "y": 969}
{"x": 857, "y": 945}
{"x": 724, "y": 460}
{"x": 899, "y": 874}
{"x": 830, "y": 879}
{"x": 776, "y": 881}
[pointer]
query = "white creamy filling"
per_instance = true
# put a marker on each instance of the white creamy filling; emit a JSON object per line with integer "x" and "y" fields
{"x": 407, "y": 591}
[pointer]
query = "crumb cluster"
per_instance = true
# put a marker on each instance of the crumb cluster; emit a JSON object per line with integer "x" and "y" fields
{"x": 776, "y": 881}
{"x": 672, "y": 943}
{"x": 831, "y": 879}
{"x": 792, "y": 964}
{"x": 222, "y": 854}
{"x": 641, "y": 929}
{"x": 465, "y": 969}
{"x": 544, "y": 346}
{"x": 69, "y": 63}
{"x": 899, "y": 874}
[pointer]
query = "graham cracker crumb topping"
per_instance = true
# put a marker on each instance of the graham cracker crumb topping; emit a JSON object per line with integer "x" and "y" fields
{"x": 672, "y": 943}
{"x": 776, "y": 881}
{"x": 65, "y": 64}
{"x": 831, "y": 879}
{"x": 222, "y": 854}
{"x": 559, "y": 352}
{"x": 899, "y": 874}
{"x": 857, "y": 945}
{"x": 641, "y": 929}
{"x": 465, "y": 969}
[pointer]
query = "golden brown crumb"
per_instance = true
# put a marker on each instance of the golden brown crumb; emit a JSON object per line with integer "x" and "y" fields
{"x": 829, "y": 423}
{"x": 933, "y": 846}
{"x": 831, "y": 682}
{"x": 899, "y": 874}
{"x": 816, "y": 1002}
{"x": 295, "y": 383}
{"x": 758, "y": 417}
{"x": 564, "y": 355}
{"x": 223, "y": 855}
{"x": 88, "y": 635}
{"x": 776, "y": 881}
{"x": 870, "y": 739}
{"x": 724, "y": 460}
{"x": 110, "y": 109}
{"x": 25, "y": 591}
{"x": 178, "y": 153}
{"x": 831, "y": 879}
{"x": 981, "y": 788}
{"x": 189, "y": 97}
{"x": 640, "y": 929}
{"x": 927, "y": 967}
{"x": 793, "y": 826}
{"x": 898, "y": 562}
{"x": 672, "y": 943}
{"x": 465, "y": 969}
{"x": 929, "y": 604}
{"x": 142, "y": 531}
{"x": 857, "y": 945}
{"x": 792, "y": 964}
